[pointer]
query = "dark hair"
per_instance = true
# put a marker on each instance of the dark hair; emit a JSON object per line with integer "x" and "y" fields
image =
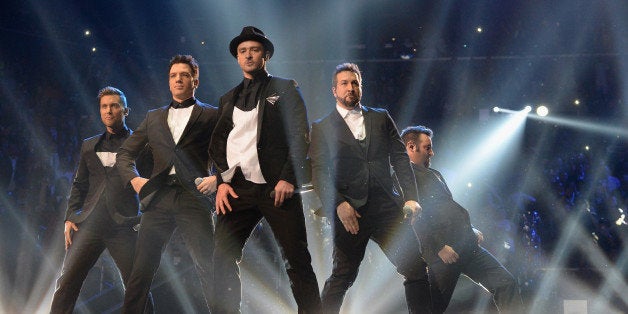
{"x": 110, "y": 90}
{"x": 187, "y": 59}
{"x": 411, "y": 133}
{"x": 352, "y": 67}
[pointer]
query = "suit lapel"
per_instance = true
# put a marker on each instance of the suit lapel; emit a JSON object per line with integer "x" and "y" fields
{"x": 163, "y": 119}
{"x": 92, "y": 152}
{"x": 343, "y": 133}
{"x": 261, "y": 104}
{"x": 196, "y": 112}
{"x": 367, "y": 128}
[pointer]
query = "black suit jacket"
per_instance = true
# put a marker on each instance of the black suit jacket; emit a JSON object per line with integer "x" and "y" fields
{"x": 342, "y": 170}
{"x": 282, "y": 132}
{"x": 94, "y": 183}
{"x": 443, "y": 221}
{"x": 189, "y": 156}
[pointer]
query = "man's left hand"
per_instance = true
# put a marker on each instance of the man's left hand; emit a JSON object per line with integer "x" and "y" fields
{"x": 283, "y": 191}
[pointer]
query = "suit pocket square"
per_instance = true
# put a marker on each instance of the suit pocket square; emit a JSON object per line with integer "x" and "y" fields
{"x": 272, "y": 99}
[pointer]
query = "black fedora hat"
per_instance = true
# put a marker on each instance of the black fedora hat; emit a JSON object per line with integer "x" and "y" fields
{"x": 251, "y": 33}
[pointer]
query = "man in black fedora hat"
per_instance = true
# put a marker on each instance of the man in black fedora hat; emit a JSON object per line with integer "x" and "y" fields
{"x": 259, "y": 147}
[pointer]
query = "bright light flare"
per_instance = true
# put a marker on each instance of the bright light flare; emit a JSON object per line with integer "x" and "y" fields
{"x": 542, "y": 111}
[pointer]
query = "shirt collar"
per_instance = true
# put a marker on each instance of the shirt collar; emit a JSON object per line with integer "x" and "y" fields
{"x": 120, "y": 134}
{"x": 345, "y": 112}
{"x": 258, "y": 76}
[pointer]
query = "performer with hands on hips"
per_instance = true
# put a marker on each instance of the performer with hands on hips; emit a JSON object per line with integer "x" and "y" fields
{"x": 178, "y": 135}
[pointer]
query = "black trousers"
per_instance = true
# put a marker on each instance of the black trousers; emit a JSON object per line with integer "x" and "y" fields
{"x": 383, "y": 223}
{"x": 173, "y": 207}
{"x": 481, "y": 267}
{"x": 288, "y": 226}
{"x": 88, "y": 243}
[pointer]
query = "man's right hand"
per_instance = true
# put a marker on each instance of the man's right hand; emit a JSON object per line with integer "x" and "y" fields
{"x": 349, "y": 217}
{"x": 137, "y": 183}
{"x": 222, "y": 198}
{"x": 448, "y": 255}
{"x": 68, "y": 230}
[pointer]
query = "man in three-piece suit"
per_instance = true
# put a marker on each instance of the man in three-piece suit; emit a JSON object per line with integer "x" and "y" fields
{"x": 178, "y": 135}
{"x": 450, "y": 243}
{"x": 259, "y": 147}
{"x": 352, "y": 150}
{"x": 101, "y": 210}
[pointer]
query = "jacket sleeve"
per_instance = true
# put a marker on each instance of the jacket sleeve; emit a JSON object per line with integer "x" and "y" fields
{"x": 129, "y": 152}
{"x": 323, "y": 170}
{"x": 296, "y": 169}
{"x": 217, "y": 144}
{"x": 401, "y": 162}
{"x": 80, "y": 186}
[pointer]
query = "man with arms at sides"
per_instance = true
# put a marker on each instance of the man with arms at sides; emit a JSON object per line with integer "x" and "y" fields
{"x": 353, "y": 149}
{"x": 178, "y": 135}
{"x": 260, "y": 147}
{"x": 449, "y": 242}
{"x": 101, "y": 209}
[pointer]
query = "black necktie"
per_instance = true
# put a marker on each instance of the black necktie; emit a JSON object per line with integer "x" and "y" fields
{"x": 244, "y": 102}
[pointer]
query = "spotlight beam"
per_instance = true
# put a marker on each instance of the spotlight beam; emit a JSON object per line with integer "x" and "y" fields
{"x": 585, "y": 125}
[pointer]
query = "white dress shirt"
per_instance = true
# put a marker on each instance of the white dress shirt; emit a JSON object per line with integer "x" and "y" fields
{"x": 177, "y": 120}
{"x": 242, "y": 147}
{"x": 354, "y": 120}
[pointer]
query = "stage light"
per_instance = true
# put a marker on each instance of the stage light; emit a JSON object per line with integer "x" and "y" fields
{"x": 478, "y": 29}
{"x": 496, "y": 109}
{"x": 93, "y": 49}
{"x": 621, "y": 220}
{"x": 542, "y": 111}
{"x": 87, "y": 33}
{"x": 527, "y": 109}
{"x": 469, "y": 184}
{"x": 586, "y": 147}
{"x": 576, "y": 102}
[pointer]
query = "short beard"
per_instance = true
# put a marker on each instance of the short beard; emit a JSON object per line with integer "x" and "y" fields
{"x": 348, "y": 104}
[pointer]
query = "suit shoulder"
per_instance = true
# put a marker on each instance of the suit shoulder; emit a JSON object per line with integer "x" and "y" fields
{"x": 155, "y": 110}
{"x": 323, "y": 120}
{"x": 283, "y": 82}
{"x": 377, "y": 110}
{"x": 207, "y": 106}
{"x": 92, "y": 138}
